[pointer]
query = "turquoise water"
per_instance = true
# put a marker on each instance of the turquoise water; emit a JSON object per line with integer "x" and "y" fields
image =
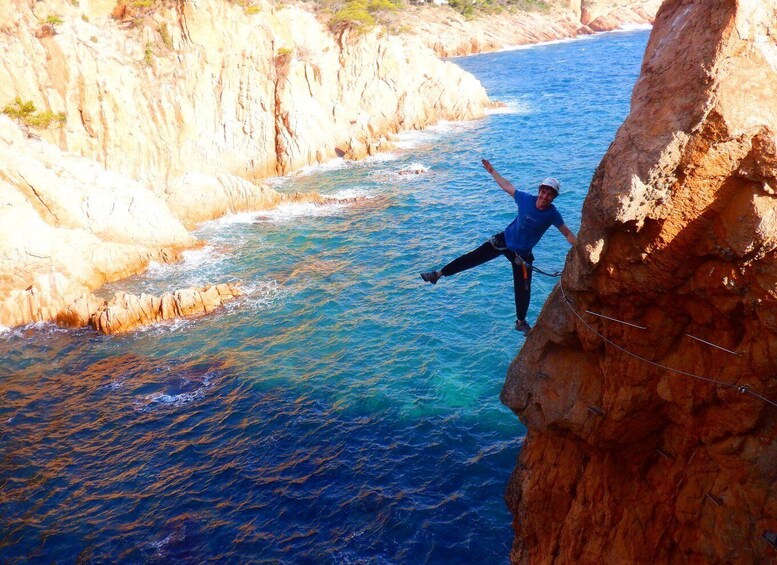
{"x": 342, "y": 411}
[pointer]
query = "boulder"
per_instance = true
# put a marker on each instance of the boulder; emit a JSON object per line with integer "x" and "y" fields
{"x": 126, "y": 312}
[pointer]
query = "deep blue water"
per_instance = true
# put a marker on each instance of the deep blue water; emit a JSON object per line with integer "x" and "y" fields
{"x": 343, "y": 411}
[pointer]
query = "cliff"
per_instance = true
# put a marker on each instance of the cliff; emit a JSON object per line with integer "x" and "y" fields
{"x": 655, "y": 442}
{"x": 171, "y": 116}
{"x": 451, "y": 34}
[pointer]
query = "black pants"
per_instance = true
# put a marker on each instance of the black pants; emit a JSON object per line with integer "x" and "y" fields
{"x": 492, "y": 249}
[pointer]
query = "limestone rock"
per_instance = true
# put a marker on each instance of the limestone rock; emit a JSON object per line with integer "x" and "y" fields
{"x": 627, "y": 461}
{"x": 126, "y": 312}
{"x": 221, "y": 91}
{"x": 450, "y": 34}
{"x": 68, "y": 226}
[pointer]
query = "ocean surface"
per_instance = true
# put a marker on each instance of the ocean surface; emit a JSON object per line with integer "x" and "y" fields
{"x": 343, "y": 411}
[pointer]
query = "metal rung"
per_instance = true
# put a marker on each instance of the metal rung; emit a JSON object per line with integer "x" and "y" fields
{"x": 615, "y": 320}
{"x": 663, "y": 453}
{"x": 712, "y": 344}
{"x": 596, "y": 410}
{"x": 717, "y": 501}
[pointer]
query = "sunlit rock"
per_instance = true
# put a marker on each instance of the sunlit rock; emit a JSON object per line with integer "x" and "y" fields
{"x": 627, "y": 460}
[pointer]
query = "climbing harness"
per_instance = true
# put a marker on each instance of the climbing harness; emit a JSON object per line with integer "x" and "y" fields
{"x": 526, "y": 265}
{"x": 523, "y": 263}
{"x": 744, "y": 389}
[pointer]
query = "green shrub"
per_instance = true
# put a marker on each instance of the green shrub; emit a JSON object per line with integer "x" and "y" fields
{"x": 53, "y": 19}
{"x": 165, "y": 35}
{"x": 360, "y": 14}
{"x": 25, "y": 112}
{"x": 18, "y": 109}
{"x": 353, "y": 14}
{"x": 44, "y": 120}
{"x": 148, "y": 53}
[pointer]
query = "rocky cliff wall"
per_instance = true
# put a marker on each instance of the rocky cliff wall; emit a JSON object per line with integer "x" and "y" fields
{"x": 169, "y": 117}
{"x": 450, "y": 34}
{"x": 646, "y": 444}
{"x": 210, "y": 88}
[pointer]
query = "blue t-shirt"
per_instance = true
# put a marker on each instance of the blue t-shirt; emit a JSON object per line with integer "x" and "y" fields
{"x": 530, "y": 224}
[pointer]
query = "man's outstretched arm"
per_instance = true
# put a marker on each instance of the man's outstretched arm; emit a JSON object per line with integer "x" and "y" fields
{"x": 571, "y": 238}
{"x": 503, "y": 183}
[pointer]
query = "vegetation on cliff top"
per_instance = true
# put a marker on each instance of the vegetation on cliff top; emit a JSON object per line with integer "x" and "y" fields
{"x": 358, "y": 15}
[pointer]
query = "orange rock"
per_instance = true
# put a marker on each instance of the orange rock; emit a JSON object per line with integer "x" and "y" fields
{"x": 626, "y": 461}
{"x": 126, "y": 312}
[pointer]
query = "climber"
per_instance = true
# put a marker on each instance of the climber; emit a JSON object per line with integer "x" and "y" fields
{"x": 535, "y": 215}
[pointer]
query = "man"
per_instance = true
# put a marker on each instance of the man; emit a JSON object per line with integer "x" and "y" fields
{"x": 535, "y": 216}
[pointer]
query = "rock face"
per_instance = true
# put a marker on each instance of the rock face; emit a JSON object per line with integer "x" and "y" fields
{"x": 68, "y": 226}
{"x": 126, "y": 312}
{"x": 209, "y": 88}
{"x": 627, "y": 461}
{"x": 450, "y": 34}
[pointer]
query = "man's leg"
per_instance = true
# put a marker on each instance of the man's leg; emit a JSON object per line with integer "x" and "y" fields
{"x": 482, "y": 254}
{"x": 522, "y": 288}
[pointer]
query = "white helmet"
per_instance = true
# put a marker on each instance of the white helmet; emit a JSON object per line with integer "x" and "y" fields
{"x": 552, "y": 184}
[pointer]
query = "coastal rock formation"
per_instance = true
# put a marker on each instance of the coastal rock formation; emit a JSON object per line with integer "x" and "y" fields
{"x": 656, "y": 442}
{"x": 206, "y": 87}
{"x": 126, "y": 312}
{"x": 450, "y": 34}
{"x": 168, "y": 117}
{"x": 68, "y": 226}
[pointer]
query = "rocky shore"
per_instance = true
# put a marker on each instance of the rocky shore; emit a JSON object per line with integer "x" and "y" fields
{"x": 160, "y": 119}
{"x": 173, "y": 118}
{"x": 450, "y": 34}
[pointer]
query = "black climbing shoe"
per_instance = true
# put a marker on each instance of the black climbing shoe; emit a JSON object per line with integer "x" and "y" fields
{"x": 431, "y": 277}
{"x": 522, "y": 327}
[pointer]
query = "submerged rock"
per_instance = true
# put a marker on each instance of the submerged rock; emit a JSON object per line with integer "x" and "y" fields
{"x": 657, "y": 442}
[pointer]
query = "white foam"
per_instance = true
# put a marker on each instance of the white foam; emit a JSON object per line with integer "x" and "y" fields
{"x": 551, "y": 42}
{"x": 259, "y": 295}
{"x": 355, "y": 192}
{"x": 191, "y": 260}
{"x": 4, "y": 329}
{"x": 443, "y": 126}
{"x": 621, "y": 29}
{"x": 414, "y": 168}
{"x": 333, "y": 165}
{"x": 159, "y": 399}
{"x": 234, "y": 218}
{"x": 410, "y": 139}
{"x": 291, "y": 211}
{"x": 382, "y": 157}
{"x": 517, "y": 107}
{"x": 634, "y": 27}
{"x": 160, "y": 544}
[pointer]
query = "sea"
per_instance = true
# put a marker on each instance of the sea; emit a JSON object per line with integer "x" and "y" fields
{"x": 342, "y": 410}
